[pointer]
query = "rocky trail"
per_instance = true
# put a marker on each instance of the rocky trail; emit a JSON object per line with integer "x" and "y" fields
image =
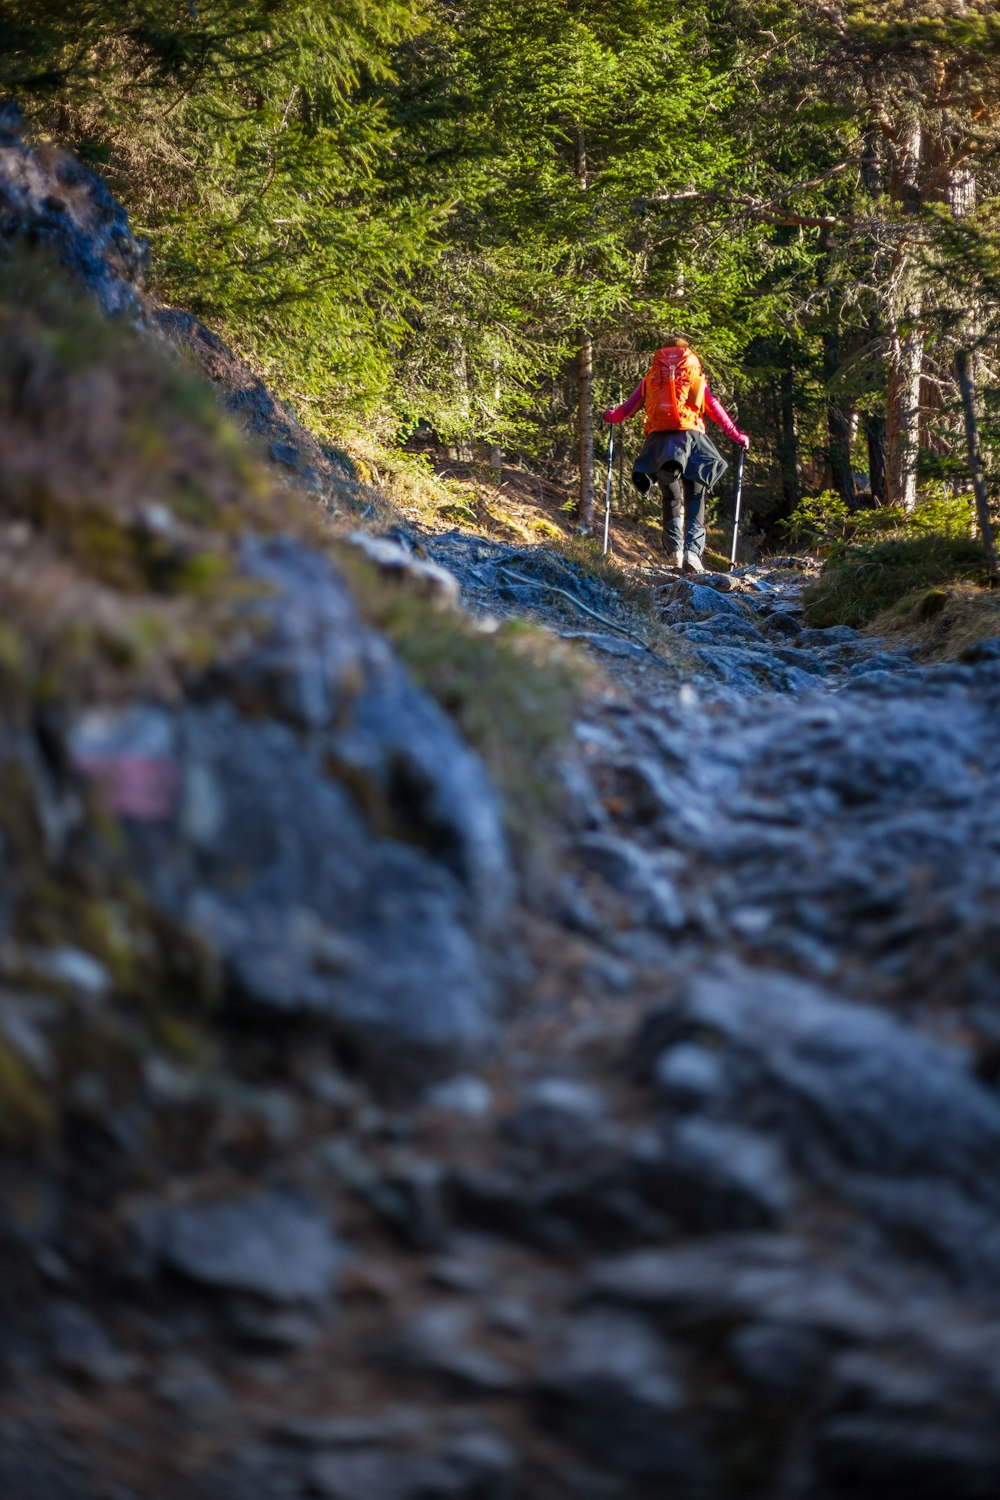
{"x": 718, "y": 1215}
{"x": 343, "y": 1157}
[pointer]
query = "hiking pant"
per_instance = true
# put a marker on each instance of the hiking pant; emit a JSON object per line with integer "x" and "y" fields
{"x": 683, "y": 511}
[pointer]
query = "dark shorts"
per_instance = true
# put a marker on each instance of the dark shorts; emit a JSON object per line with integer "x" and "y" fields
{"x": 692, "y": 452}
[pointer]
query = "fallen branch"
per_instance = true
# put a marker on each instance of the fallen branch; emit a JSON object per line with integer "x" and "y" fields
{"x": 770, "y": 209}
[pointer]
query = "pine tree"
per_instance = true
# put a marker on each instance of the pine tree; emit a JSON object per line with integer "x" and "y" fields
{"x": 573, "y": 121}
{"x": 237, "y": 136}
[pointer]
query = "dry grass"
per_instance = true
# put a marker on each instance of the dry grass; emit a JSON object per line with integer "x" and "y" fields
{"x": 868, "y": 581}
{"x": 123, "y": 493}
{"x": 512, "y": 504}
{"x": 944, "y": 623}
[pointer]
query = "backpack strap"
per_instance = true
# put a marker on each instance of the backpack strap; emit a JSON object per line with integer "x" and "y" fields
{"x": 699, "y": 385}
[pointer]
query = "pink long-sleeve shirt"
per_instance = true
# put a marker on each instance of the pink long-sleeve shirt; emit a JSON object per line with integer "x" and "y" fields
{"x": 714, "y": 408}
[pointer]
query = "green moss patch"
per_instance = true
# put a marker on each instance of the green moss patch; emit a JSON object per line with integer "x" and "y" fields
{"x": 861, "y": 584}
{"x": 27, "y": 1115}
{"x": 944, "y": 623}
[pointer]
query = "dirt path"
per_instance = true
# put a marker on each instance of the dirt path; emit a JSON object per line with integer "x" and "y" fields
{"x": 721, "y": 1217}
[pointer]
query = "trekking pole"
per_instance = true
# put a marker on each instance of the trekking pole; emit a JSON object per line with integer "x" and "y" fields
{"x": 607, "y": 498}
{"x": 621, "y": 464}
{"x": 739, "y": 497}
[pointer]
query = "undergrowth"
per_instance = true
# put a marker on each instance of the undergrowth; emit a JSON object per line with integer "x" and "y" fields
{"x": 881, "y": 563}
{"x": 944, "y": 623}
{"x": 826, "y": 525}
{"x": 862, "y": 583}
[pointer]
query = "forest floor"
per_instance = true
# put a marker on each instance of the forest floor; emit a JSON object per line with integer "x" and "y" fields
{"x": 719, "y": 1217}
{"x": 691, "y": 1221}
{"x": 745, "y": 1099}
{"x": 516, "y": 504}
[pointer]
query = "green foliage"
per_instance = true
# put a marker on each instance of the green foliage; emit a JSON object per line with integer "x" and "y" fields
{"x": 239, "y": 139}
{"x": 819, "y": 520}
{"x": 825, "y": 522}
{"x": 405, "y": 213}
{"x": 553, "y": 135}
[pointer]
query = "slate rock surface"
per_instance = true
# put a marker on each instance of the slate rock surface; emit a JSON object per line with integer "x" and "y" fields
{"x": 50, "y": 200}
{"x": 267, "y": 1245}
{"x": 343, "y": 853}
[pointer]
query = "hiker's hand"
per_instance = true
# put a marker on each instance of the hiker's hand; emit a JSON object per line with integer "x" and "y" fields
{"x": 609, "y": 415}
{"x": 744, "y": 441}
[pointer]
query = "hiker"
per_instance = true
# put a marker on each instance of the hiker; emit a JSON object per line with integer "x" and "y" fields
{"x": 677, "y": 452}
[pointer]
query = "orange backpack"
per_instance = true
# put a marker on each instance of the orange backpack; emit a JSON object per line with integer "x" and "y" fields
{"x": 674, "y": 390}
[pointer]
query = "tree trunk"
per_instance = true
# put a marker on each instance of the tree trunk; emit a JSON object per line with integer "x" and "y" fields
{"x": 788, "y": 451}
{"x": 496, "y": 451}
{"x": 585, "y": 418}
{"x": 906, "y": 358}
{"x": 963, "y": 369}
{"x": 875, "y": 436}
{"x": 841, "y": 476}
{"x": 461, "y": 449}
{"x": 838, "y": 426}
{"x": 906, "y": 337}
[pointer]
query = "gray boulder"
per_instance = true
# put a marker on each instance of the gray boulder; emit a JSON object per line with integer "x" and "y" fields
{"x": 318, "y": 825}
{"x": 53, "y": 201}
{"x": 478, "y": 1465}
{"x": 610, "y": 1387}
{"x": 886, "y": 1119}
{"x": 841, "y": 1079}
{"x": 272, "y": 1246}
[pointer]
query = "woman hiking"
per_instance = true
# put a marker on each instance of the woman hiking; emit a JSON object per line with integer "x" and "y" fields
{"x": 677, "y": 453}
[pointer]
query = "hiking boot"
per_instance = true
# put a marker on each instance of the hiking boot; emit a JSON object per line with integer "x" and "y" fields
{"x": 693, "y": 563}
{"x": 676, "y": 560}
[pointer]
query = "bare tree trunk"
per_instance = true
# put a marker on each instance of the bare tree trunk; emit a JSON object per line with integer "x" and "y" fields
{"x": 461, "y": 449}
{"x": 906, "y": 337}
{"x": 585, "y": 419}
{"x": 875, "y": 436}
{"x": 788, "y": 452}
{"x": 873, "y": 163}
{"x": 841, "y": 476}
{"x": 906, "y": 357}
{"x": 963, "y": 369}
{"x": 838, "y": 427}
{"x": 496, "y": 451}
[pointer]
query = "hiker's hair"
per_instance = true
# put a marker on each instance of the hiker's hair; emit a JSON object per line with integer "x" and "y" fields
{"x": 675, "y": 341}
